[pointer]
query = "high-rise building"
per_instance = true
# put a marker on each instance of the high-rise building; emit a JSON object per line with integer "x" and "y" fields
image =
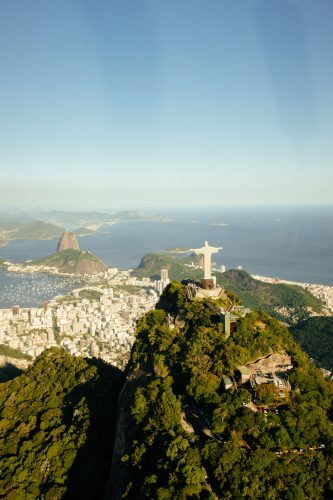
{"x": 164, "y": 274}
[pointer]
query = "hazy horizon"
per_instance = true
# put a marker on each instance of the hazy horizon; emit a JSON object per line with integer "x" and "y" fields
{"x": 152, "y": 104}
{"x": 160, "y": 210}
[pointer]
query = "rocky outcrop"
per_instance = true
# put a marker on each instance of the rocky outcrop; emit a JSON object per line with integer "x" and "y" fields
{"x": 125, "y": 430}
{"x": 67, "y": 242}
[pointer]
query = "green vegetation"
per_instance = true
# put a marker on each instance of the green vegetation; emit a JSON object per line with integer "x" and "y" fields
{"x": 268, "y": 296}
{"x": 190, "y": 438}
{"x": 14, "y": 228}
{"x": 315, "y": 336}
{"x": 72, "y": 262}
{"x": 151, "y": 264}
{"x": 57, "y": 428}
{"x": 5, "y": 350}
{"x": 37, "y": 230}
{"x": 254, "y": 294}
{"x": 267, "y": 394}
{"x": 66, "y": 299}
{"x": 90, "y": 294}
{"x": 181, "y": 433}
{"x": 132, "y": 289}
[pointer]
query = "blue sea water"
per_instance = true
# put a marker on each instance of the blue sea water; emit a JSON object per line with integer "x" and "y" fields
{"x": 30, "y": 290}
{"x": 294, "y": 243}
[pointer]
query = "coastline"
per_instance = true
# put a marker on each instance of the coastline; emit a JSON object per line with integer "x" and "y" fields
{"x": 323, "y": 292}
{"x": 320, "y": 291}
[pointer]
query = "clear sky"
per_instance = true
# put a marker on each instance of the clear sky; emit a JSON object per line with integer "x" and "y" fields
{"x": 138, "y": 103}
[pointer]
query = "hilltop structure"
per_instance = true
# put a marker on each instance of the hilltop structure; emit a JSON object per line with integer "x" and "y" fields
{"x": 206, "y": 252}
{"x": 67, "y": 241}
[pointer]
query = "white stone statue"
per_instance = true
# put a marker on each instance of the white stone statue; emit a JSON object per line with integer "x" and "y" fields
{"x": 206, "y": 251}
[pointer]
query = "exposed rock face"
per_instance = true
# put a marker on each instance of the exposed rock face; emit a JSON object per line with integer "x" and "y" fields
{"x": 67, "y": 242}
{"x": 125, "y": 429}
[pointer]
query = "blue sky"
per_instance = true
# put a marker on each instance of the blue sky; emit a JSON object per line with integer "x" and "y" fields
{"x": 137, "y": 103}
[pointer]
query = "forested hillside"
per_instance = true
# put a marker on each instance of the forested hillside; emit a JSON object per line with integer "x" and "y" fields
{"x": 315, "y": 335}
{"x": 201, "y": 414}
{"x": 57, "y": 428}
{"x": 189, "y": 427}
{"x": 285, "y": 302}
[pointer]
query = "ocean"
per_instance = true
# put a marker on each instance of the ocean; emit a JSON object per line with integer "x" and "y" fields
{"x": 293, "y": 243}
{"x": 30, "y": 290}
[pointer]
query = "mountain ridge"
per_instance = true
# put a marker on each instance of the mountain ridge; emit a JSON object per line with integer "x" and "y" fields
{"x": 183, "y": 431}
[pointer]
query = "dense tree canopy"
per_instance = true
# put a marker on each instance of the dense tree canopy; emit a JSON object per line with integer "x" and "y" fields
{"x": 193, "y": 438}
{"x": 315, "y": 335}
{"x": 56, "y": 428}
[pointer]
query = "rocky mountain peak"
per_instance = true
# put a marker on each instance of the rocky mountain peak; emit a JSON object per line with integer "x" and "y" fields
{"x": 67, "y": 241}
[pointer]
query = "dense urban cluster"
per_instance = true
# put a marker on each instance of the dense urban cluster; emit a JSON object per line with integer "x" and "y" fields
{"x": 94, "y": 321}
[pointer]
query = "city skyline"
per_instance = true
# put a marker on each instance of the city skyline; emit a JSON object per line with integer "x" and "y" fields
{"x": 150, "y": 104}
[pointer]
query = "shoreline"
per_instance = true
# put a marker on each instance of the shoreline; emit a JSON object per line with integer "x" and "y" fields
{"x": 318, "y": 290}
{"x": 322, "y": 292}
{"x": 268, "y": 279}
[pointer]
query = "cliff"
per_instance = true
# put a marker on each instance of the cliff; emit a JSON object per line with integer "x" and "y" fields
{"x": 67, "y": 242}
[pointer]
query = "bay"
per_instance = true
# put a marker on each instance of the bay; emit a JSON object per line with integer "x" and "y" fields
{"x": 30, "y": 290}
{"x": 293, "y": 243}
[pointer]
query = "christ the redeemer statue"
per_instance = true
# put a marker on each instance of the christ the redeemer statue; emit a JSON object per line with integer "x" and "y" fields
{"x": 206, "y": 252}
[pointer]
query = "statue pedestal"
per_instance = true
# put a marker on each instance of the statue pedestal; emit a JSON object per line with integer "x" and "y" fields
{"x": 207, "y": 284}
{"x": 211, "y": 293}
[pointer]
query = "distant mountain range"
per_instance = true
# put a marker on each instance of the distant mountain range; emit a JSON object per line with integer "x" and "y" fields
{"x": 43, "y": 225}
{"x": 94, "y": 217}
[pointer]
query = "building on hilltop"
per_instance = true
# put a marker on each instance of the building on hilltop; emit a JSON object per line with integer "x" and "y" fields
{"x": 164, "y": 274}
{"x": 206, "y": 252}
